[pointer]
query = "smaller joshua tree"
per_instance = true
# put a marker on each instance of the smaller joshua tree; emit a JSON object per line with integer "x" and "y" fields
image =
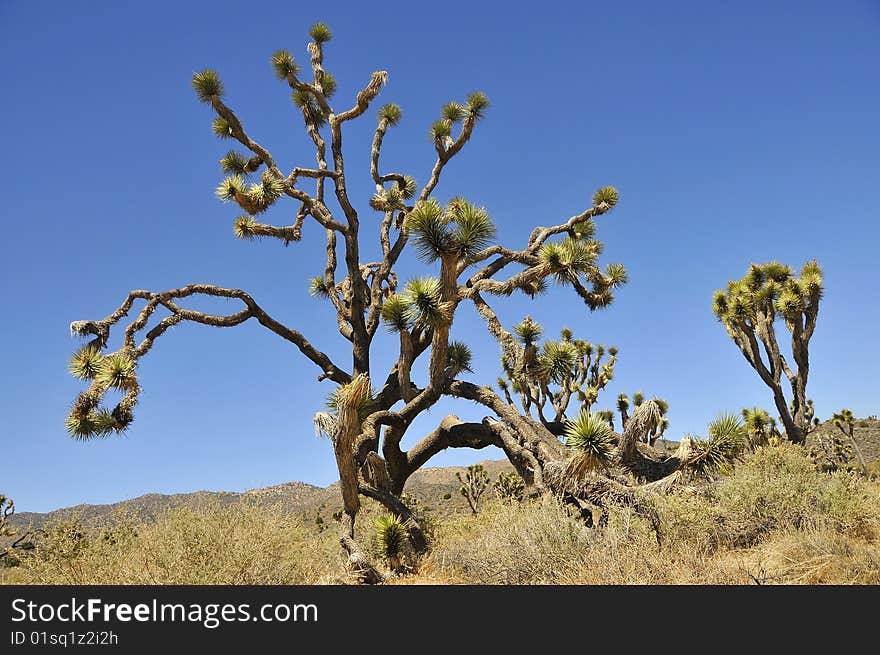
{"x": 844, "y": 421}
{"x": 473, "y": 485}
{"x": 12, "y": 538}
{"x": 558, "y": 371}
{"x": 7, "y": 509}
{"x": 509, "y": 487}
{"x": 749, "y": 309}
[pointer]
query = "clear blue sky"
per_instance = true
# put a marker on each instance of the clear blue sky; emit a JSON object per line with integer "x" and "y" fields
{"x": 735, "y": 132}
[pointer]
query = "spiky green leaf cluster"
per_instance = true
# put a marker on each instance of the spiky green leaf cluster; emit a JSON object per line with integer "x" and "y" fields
{"x": 460, "y": 229}
{"x": 607, "y": 195}
{"x": 222, "y": 128}
{"x": 391, "y": 536}
{"x": 306, "y": 102}
{"x": 243, "y": 227}
{"x": 117, "y": 371}
{"x": 528, "y": 331}
{"x": 266, "y": 191}
{"x": 458, "y": 358}
{"x": 584, "y": 231}
{"x": 616, "y": 275}
{"x": 328, "y": 84}
{"x": 390, "y": 113}
{"x": 408, "y": 189}
{"x": 207, "y": 85}
{"x": 234, "y": 163}
{"x": 452, "y": 111}
{"x": 768, "y": 289}
{"x": 395, "y": 313}
{"x": 558, "y": 360}
{"x": 727, "y": 439}
{"x": 388, "y": 200}
{"x": 569, "y": 258}
{"x": 85, "y": 364}
{"x": 320, "y": 32}
{"x": 96, "y": 423}
{"x": 759, "y": 425}
{"x": 318, "y": 287}
{"x": 477, "y": 104}
{"x": 440, "y": 129}
{"x": 425, "y": 306}
{"x": 533, "y": 288}
{"x": 593, "y": 441}
{"x": 284, "y": 64}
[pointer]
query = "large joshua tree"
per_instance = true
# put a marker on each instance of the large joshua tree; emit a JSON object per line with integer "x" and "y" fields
{"x": 751, "y": 307}
{"x": 371, "y": 411}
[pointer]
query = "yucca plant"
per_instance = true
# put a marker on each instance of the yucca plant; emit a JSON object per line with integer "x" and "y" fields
{"x": 717, "y": 454}
{"x": 592, "y": 441}
{"x": 458, "y": 358}
{"x": 392, "y": 538}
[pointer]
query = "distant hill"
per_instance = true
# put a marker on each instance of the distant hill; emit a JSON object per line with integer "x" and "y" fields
{"x": 429, "y": 485}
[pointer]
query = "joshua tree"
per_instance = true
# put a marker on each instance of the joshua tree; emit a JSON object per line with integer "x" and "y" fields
{"x": 7, "y": 509}
{"x": 573, "y": 367}
{"x": 749, "y": 309}
{"x": 371, "y": 411}
{"x": 844, "y": 421}
{"x": 473, "y": 485}
{"x": 509, "y": 487}
{"x": 12, "y": 538}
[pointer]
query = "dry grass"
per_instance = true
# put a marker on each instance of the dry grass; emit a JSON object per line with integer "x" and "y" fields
{"x": 233, "y": 545}
{"x": 775, "y": 520}
{"x": 775, "y": 514}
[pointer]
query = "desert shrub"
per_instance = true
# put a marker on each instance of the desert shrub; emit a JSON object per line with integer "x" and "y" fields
{"x": 538, "y": 542}
{"x": 528, "y": 543}
{"x": 240, "y": 544}
{"x": 779, "y": 488}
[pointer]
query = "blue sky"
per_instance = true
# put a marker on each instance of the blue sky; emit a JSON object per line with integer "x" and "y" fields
{"x": 735, "y": 132}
